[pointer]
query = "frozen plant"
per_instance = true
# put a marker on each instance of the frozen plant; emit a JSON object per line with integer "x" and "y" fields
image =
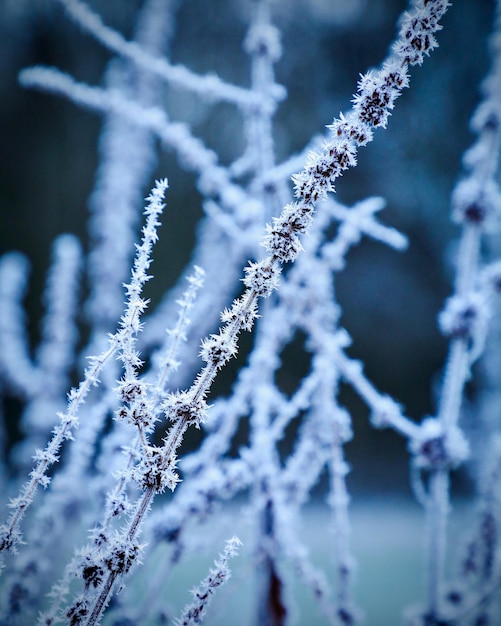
{"x": 119, "y": 499}
{"x": 194, "y": 612}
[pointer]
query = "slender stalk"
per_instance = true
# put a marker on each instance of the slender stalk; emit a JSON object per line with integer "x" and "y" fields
{"x": 10, "y": 535}
{"x": 438, "y": 509}
{"x": 107, "y": 587}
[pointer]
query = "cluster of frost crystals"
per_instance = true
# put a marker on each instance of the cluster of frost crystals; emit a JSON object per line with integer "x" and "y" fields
{"x": 465, "y": 316}
{"x": 264, "y": 41}
{"x": 438, "y": 448}
{"x": 476, "y": 201}
{"x": 321, "y": 171}
{"x": 352, "y": 128}
{"x": 183, "y": 407}
{"x": 153, "y": 472}
{"x": 417, "y": 37}
{"x": 262, "y": 277}
{"x": 377, "y": 92}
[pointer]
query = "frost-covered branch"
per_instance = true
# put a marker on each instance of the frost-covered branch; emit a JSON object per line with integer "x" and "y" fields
{"x": 194, "y": 612}
{"x": 442, "y": 446}
{"x": 209, "y": 86}
{"x": 10, "y": 533}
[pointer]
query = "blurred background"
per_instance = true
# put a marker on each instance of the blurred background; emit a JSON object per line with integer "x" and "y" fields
{"x": 390, "y": 300}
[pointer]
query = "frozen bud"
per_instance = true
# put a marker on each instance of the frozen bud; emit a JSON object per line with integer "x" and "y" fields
{"x": 9, "y": 539}
{"x": 264, "y": 40}
{"x": 455, "y": 596}
{"x": 282, "y": 239}
{"x": 219, "y": 349}
{"x": 374, "y": 99}
{"x": 351, "y": 128}
{"x": 476, "y": 202}
{"x": 78, "y": 612}
{"x": 138, "y": 413}
{"x": 437, "y": 448}
{"x": 309, "y": 188}
{"x": 182, "y": 406}
{"x": 415, "y": 46}
{"x": 394, "y": 75}
{"x": 99, "y": 536}
{"x": 130, "y": 389}
{"x": 384, "y": 412}
{"x": 92, "y": 570}
{"x": 416, "y": 34}
{"x": 262, "y": 277}
{"x": 341, "y": 155}
{"x": 118, "y": 505}
{"x": 282, "y": 243}
{"x": 462, "y": 315}
{"x": 296, "y": 217}
{"x": 121, "y": 557}
{"x": 154, "y": 472}
{"x": 246, "y": 316}
{"x": 346, "y": 616}
{"x": 317, "y": 179}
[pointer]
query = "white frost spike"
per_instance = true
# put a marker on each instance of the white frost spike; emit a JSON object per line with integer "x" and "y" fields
{"x": 194, "y": 613}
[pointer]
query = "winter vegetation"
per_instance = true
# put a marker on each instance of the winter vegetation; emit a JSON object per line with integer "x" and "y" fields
{"x": 141, "y": 421}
